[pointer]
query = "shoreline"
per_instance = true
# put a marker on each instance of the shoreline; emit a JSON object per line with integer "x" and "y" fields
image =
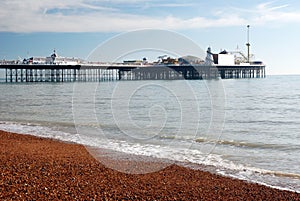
{"x": 42, "y": 168}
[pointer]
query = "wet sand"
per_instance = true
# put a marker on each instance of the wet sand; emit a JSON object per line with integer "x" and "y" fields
{"x": 34, "y": 168}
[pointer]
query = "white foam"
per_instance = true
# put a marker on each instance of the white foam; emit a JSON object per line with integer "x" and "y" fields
{"x": 38, "y": 130}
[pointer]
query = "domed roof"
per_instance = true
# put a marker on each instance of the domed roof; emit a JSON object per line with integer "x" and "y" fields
{"x": 223, "y": 52}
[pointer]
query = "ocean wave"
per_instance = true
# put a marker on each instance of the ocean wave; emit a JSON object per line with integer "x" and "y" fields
{"x": 248, "y": 144}
{"x": 167, "y": 137}
{"x": 281, "y": 174}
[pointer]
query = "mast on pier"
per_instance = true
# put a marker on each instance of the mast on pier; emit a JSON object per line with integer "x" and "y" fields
{"x": 248, "y": 44}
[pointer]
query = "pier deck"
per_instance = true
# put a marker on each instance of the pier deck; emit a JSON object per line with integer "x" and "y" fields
{"x": 111, "y": 72}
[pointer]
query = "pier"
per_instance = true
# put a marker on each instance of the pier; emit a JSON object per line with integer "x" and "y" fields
{"x": 113, "y": 72}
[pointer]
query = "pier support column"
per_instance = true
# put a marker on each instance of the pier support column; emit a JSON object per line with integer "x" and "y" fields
{"x": 5, "y": 74}
{"x": 119, "y": 75}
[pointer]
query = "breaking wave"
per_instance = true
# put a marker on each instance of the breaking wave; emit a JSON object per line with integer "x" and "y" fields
{"x": 247, "y": 144}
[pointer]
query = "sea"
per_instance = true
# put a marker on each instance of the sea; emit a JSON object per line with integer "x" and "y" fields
{"x": 241, "y": 128}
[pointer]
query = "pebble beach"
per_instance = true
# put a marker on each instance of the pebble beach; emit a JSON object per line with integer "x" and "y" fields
{"x": 34, "y": 168}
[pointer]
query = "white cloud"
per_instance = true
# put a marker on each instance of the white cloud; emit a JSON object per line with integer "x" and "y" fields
{"x": 268, "y": 13}
{"x": 268, "y": 6}
{"x": 92, "y": 16}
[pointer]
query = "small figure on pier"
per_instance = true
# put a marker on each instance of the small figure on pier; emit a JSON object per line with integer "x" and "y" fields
{"x": 209, "y": 60}
{"x": 53, "y": 57}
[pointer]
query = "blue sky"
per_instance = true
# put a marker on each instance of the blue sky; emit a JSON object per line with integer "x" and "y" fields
{"x": 75, "y": 27}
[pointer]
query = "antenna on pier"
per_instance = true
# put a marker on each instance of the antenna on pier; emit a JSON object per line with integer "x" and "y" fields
{"x": 248, "y": 44}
